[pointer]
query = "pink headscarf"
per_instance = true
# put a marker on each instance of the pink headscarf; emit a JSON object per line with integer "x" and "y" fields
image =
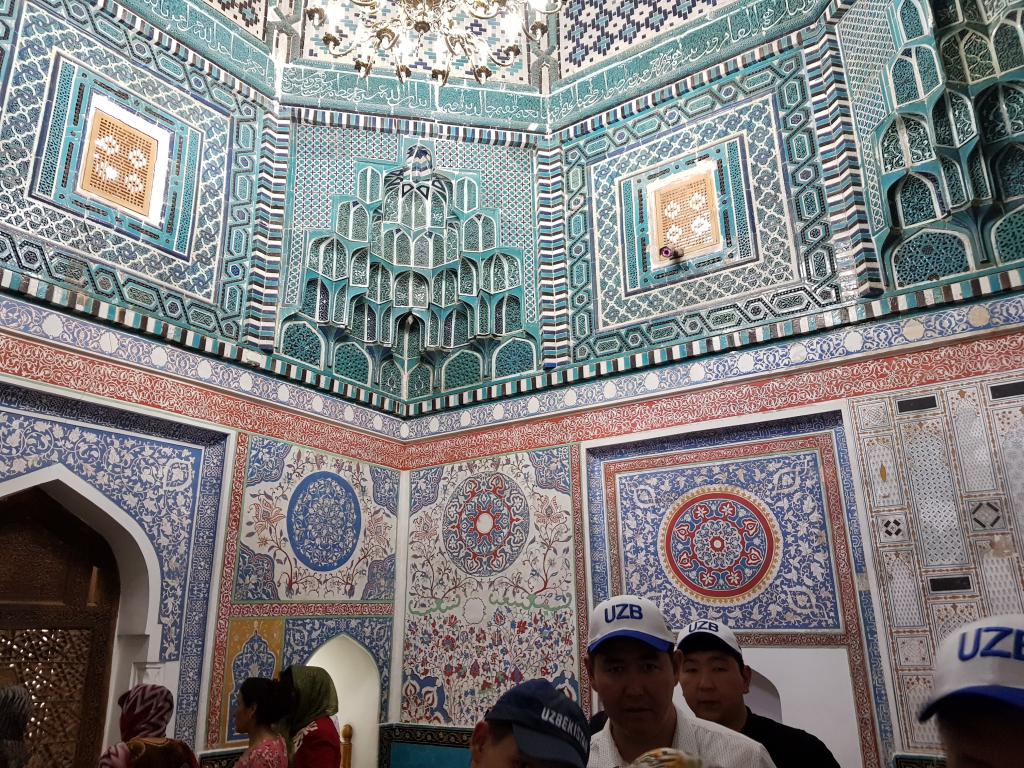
{"x": 145, "y": 712}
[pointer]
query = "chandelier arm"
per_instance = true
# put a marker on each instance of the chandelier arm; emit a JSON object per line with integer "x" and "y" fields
{"x": 505, "y": 55}
{"x": 400, "y": 29}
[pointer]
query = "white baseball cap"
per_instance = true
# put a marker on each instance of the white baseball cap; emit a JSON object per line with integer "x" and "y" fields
{"x": 630, "y": 616}
{"x": 700, "y": 628}
{"x": 983, "y": 658}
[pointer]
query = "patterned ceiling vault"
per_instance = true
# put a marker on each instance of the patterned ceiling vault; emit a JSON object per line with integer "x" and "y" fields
{"x": 427, "y": 260}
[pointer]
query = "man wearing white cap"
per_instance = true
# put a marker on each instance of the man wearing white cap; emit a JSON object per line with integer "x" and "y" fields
{"x": 633, "y": 665}
{"x": 714, "y": 679}
{"x": 978, "y": 694}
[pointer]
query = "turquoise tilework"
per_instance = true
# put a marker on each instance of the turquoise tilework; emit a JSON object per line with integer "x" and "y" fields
{"x": 193, "y": 274}
{"x": 734, "y": 211}
{"x": 774, "y": 181}
{"x": 62, "y": 155}
{"x": 591, "y": 31}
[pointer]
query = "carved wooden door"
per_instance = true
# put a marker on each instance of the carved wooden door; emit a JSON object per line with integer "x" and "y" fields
{"x": 59, "y": 593}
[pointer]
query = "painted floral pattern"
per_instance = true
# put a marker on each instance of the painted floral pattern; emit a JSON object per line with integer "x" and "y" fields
{"x": 468, "y": 637}
{"x": 319, "y": 548}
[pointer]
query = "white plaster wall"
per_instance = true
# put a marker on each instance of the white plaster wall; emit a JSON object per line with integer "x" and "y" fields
{"x": 358, "y": 684}
{"x": 815, "y": 694}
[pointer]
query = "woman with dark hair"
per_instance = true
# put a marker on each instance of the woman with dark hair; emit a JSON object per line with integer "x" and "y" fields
{"x": 145, "y": 712}
{"x": 261, "y": 703}
{"x": 312, "y": 736}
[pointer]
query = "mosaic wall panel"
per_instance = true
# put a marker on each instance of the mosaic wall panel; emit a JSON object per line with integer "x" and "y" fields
{"x": 467, "y": 314}
{"x": 717, "y": 526}
{"x": 325, "y": 164}
{"x": 929, "y": 86}
{"x": 136, "y": 160}
{"x": 315, "y": 527}
{"x": 492, "y": 589}
{"x": 756, "y": 526}
{"x": 165, "y": 477}
{"x": 756, "y": 132}
{"x": 954, "y": 554}
{"x": 145, "y": 160}
{"x": 309, "y": 555}
{"x": 868, "y": 42}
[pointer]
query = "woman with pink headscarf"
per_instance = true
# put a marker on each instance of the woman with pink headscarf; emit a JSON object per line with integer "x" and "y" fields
{"x": 145, "y": 712}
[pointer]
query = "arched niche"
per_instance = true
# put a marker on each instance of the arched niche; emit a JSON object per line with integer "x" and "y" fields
{"x": 357, "y": 681}
{"x": 136, "y": 654}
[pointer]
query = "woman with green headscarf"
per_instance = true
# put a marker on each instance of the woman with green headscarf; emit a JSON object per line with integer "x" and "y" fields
{"x": 312, "y": 736}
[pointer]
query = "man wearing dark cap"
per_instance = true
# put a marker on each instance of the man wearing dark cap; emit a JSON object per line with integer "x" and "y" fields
{"x": 533, "y": 725}
{"x": 634, "y": 666}
{"x": 714, "y": 680}
{"x": 978, "y": 694}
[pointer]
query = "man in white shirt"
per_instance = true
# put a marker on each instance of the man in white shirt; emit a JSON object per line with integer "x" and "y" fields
{"x": 633, "y": 665}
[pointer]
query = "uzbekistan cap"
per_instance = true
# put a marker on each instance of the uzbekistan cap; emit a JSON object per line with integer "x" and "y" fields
{"x": 984, "y": 658}
{"x": 546, "y": 724}
{"x": 630, "y": 616}
{"x": 704, "y": 629}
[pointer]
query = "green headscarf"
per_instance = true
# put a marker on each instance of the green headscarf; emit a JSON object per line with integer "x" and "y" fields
{"x": 314, "y": 697}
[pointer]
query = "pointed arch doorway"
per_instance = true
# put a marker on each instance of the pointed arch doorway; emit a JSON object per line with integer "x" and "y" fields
{"x": 59, "y": 593}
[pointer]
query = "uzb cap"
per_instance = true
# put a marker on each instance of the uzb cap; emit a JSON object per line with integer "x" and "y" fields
{"x": 984, "y": 658}
{"x": 698, "y": 632}
{"x": 630, "y": 616}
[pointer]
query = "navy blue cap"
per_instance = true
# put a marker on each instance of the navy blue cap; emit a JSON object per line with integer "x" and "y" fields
{"x": 546, "y": 724}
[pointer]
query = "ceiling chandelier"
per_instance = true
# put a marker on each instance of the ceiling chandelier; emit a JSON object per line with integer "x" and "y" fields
{"x": 430, "y": 34}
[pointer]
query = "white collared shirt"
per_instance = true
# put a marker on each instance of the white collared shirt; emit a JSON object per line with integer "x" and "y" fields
{"x": 716, "y": 746}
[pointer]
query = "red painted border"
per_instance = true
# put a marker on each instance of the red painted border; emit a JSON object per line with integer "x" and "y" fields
{"x": 772, "y": 393}
{"x": 57, "y": 366}
{"x": 217, "y": 671}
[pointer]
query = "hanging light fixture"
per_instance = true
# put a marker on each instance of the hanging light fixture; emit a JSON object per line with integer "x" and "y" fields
{"x": 437, "y": 33}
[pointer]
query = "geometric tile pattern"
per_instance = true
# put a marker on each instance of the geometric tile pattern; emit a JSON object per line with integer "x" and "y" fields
{"x": 754, "y": 179}
{"x": 680, "y": 209}
{"x": 135, "y": 175}
{"x": 593, "y": 31}
{"x": 790, "y": 272}
{"x": 867, "y": 43}
{"x": 204, "y": 125}
{"x": 325, "y": 164}
{"x": 928, "y": 469}
{"x": 250, "y": 15}
{"x": 949, "y": 484}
